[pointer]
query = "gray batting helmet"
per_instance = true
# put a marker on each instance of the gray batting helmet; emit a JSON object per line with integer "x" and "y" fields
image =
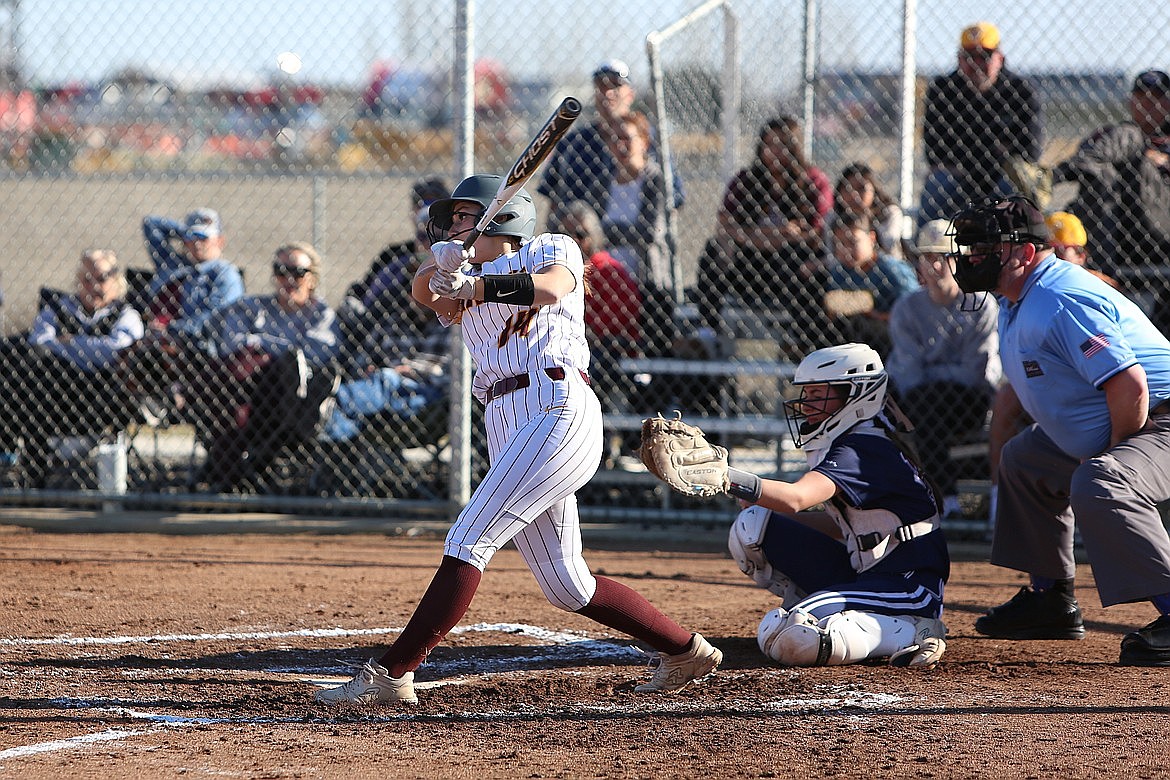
{"x": 517, "y": 218}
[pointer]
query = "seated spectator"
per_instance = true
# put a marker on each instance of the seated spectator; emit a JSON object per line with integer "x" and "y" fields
{"x": 582, "y": 166}
{"x": 634, "y": 220}
{"x": 191, "y": 282}
{"x": 1122, "y": 172}
{"x": 858, "y": 190}
{"x": 403, "y": 391}
{"x": 381, "y": 325}
{"x": 979, "y": 122}
{"x": 62, "y": 380}
{"x": 613, "y": 305}
{"x": 1070, "y": 242}
{"x": 768, "y": 238}
{"x": 944, "y": 360}
{"x": 275, "y": 354}
{"x": 864, "y": 283}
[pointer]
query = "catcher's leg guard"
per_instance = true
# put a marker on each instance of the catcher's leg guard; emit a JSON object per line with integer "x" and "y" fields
{"x": 745, "y": 540}
{"x": 796, "y": 638}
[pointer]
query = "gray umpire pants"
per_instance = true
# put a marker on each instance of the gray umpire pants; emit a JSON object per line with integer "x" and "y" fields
{"x": 1112, "y": 498}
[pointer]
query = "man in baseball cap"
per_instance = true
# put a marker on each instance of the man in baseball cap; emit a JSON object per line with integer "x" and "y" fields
{"x": 979, "y": 122}
{"x": 1149, "y": 106}
{"x": 582, "y": 166}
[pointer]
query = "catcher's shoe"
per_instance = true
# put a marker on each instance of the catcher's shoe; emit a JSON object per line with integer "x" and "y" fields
{"x": 372, "y": 685}
{"x": 673, "y": 672}
{"x": 929, "y": 644}
{"x": 1031, "y": 614}
{"x": 1148, "y": 646}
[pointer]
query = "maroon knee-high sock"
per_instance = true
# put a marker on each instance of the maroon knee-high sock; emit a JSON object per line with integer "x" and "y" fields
{"x": 445, "y": 602}
{"x": 628, "y": 611}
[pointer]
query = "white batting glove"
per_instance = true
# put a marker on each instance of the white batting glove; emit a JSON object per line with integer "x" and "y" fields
{"x": 452, "y": 284}
{"x": 451, "y": 255}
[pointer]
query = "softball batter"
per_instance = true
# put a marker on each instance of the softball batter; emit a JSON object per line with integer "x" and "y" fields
{"x": 521, "y": 303}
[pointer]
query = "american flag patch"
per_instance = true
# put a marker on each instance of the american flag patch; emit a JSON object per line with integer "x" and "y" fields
{"x": 1093, "y": 345}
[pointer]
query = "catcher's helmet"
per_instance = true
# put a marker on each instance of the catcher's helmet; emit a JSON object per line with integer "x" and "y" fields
{"x": 857, "y": 378}
{"x": 517, "y": 218}
{"x": 987, "y": 226}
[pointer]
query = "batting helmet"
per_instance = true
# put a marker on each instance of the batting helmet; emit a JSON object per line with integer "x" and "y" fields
{"x": 517, "y": 218}
{"x": 855, "y": 369}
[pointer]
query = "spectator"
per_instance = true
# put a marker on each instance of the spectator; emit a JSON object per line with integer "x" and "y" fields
{"x": 63, "y": 379}
{"x": 275, "y": 352}
{"x": 1123, "y": 173}
{"x": 189, "y": 285}
{"x": 381, "y": 325}
{"x": 768, "y": 235}
{"x": 1094, "y": 374}
{"x": 978, "y": 121}
{"x": 634, "y": 221}
{"x": 582, "y": 166}
{"x": 1070, "y": 243}
{"x": 192, "y": 284}
{"x": 864, "y": 283}
{"x": 944, "y": 360}
{"x": 858, "y": 190}
{"x": 613, "y": 305}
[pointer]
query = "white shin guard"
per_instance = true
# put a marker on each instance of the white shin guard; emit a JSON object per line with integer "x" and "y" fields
{"x": 796, "y": 638}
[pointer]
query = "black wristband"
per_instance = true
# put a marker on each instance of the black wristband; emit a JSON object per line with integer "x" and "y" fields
{"x": 744, "y": 485}
{"x": 512, "y": 289}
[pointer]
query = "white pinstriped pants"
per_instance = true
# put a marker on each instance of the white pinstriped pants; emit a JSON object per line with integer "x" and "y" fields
{"x": 544, "y": 442}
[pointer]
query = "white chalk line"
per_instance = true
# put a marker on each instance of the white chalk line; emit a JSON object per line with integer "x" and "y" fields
{"x": 575, "y": 641}
{"x": 66, "y": 640}
{"x": 544, "y": 635}
{"x": 67, "y": 744}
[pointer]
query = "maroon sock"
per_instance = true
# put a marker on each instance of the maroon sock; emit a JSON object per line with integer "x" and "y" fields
{"x": 628, "y": 611}
{"x": 441, "y": 607}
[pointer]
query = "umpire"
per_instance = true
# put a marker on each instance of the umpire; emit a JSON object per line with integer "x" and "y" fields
{"x": 1094, "y": 374}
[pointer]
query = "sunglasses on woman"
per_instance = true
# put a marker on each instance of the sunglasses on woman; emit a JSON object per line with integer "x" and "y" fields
{"x": 289, "y": 271}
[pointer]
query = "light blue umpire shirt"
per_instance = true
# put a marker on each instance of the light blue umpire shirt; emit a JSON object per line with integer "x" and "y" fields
{"x": 1067, "y": 335}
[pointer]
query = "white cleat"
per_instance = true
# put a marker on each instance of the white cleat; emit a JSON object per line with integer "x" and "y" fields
{"x": 929, "y": 644}
{"x": 673, "y": 672}
{"x": 371, "y": 685}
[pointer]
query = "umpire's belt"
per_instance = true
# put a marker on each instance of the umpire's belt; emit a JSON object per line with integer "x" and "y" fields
{"x": 519, "y": 382}
{"x": 1160, "y": 409}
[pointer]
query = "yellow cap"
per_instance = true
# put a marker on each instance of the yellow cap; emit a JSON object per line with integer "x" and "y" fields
{"x": 981, "y": 35}
{"x": 1066, "y": 229}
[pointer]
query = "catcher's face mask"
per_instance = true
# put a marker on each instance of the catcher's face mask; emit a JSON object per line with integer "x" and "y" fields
{"x": 816, "y": 404}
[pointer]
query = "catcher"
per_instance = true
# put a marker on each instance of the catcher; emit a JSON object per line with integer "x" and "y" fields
{"x": 861, "y": 579}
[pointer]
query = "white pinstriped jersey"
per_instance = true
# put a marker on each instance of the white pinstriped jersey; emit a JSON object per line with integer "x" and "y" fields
{"x": 505, "y": 340}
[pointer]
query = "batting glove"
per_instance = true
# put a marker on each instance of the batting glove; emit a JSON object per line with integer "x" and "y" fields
{"x": 452, "y": 284}
{"x": 451, "y": 255}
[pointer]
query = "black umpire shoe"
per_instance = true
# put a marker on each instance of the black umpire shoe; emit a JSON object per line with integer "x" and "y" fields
{"x": 1148, "y": 646}
{"x": 1031, "y": 614}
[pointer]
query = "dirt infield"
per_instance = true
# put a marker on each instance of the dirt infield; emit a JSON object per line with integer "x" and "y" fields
{"x": 141, "y": 655}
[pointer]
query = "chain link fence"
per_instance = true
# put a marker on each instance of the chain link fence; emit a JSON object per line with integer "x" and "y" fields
{"x": 771, "y": 153}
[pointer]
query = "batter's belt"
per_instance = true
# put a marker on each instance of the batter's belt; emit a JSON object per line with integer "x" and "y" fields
{"x": 519, "y": 382}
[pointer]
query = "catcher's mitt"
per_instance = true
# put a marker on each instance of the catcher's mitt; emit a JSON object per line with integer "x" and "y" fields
{"x": 679, "y": 454}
